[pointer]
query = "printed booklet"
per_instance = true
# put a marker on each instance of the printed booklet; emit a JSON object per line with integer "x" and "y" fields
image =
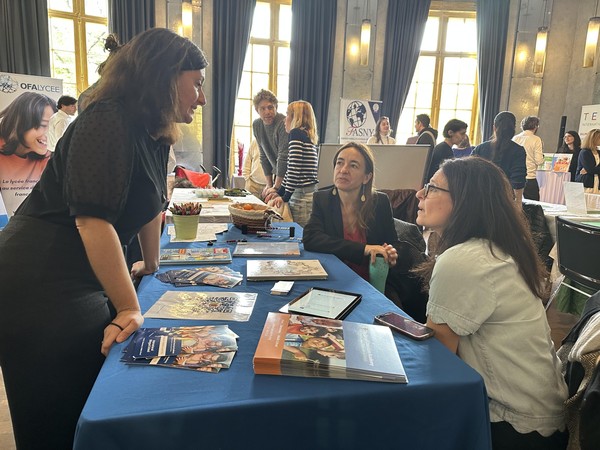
{"x": 561, "y": 162}
{"x": 195, "y": 255}
{"x": 305, "y": 346}
{"x": 235, "y": 306}
{"x": 282, "y": 269}
{"x": 267, "y": 249}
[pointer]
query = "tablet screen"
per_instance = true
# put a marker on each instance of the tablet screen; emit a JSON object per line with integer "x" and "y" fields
{"x": 323, "y": 303}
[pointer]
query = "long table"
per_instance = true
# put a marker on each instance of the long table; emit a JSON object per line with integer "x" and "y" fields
{"x": 444, "y": 405}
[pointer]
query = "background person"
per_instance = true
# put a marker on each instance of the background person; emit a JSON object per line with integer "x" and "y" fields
{"x": 484, "y": 304}
{"x": 505, "y": 153}
{"x": 571, "y": 144}
{"x": 464, "y": 148}
{"x": 352, "y": 220}
{"x": 252, "y": 171}
{"x": 382, "y": 132}
{"x": 588, "y": 164}
{"x": 426, "y": 134}
{"x": 105, "y": 184}
{"x": 23, "y": 146}
{"x": 454, "y": 132}
{"x": 300, "y": 181}
{"x": 534, "y": 154}
{"x": 269, "y": 132}
{"x": 67, "y": 107}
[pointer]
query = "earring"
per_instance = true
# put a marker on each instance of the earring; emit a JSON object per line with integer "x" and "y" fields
{"x": 362, "y": 195}
{"x": 334, "y": 191}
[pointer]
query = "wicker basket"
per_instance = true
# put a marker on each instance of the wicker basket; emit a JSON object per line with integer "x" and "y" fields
{"x": 256, "y": 219}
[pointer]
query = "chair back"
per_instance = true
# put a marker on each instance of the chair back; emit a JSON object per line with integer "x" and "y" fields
{"x": 198, "y": 179}
{"x": 578, "y": 245}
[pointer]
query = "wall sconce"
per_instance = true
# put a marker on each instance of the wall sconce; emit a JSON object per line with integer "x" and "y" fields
{"x": 591, "y": 40}
{"x": 186, "y": 18}
{"x": 365, "y": 42}
{"x": 539, "y": 57}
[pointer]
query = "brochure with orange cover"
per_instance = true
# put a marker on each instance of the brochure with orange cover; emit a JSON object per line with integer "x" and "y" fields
{"x": 561, "y": 162}
{"x": 304, "y": 346}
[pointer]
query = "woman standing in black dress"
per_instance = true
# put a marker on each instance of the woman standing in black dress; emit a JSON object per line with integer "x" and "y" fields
{"x": 61, "y": 257}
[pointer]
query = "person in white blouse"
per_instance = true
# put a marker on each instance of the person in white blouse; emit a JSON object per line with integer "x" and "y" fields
{"x": 60, "y": 120}
{"x": 535, "y": 154}
{"x": 382, "y": 132}
{"x": 252, "y": 171}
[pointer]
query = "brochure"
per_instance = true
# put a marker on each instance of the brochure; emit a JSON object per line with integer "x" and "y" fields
{"x": 297, "y": 345}
{"x": 235, "y": 306}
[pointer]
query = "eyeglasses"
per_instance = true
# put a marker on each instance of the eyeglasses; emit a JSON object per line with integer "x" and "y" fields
{"x": 430, "y": 187}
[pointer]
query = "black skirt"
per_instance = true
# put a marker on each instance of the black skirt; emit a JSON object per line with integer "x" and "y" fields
{"x": 53, "y": 312}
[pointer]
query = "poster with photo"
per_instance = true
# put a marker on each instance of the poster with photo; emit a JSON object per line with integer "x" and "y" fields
{"x": 22, "y": 167}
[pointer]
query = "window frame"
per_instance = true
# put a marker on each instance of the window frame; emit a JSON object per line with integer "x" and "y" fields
{"x": 80, "y": 19}
{"x": 273, "y": 43}
{"x": 441, "y": 11}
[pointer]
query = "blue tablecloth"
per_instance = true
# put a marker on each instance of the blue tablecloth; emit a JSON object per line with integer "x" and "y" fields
{"x": 444, "y": 405}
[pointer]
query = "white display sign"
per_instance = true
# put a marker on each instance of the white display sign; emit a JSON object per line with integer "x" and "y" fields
{"x": 358, "y": 119}
{"x": 14, "y": 84}
{"x": 590, "y": 119}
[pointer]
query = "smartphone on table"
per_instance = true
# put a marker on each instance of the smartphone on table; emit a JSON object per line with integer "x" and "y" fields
{"x": 404, "y": 325}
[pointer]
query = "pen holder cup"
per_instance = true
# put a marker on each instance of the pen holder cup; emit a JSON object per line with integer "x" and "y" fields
{"x": 186, "y": 227}
{"x": 378, "y": 273}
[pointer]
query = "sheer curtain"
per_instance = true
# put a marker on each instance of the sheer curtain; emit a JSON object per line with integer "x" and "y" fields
{"x": 232, "y": 21}
{"x": 492, "y": 29}
{"x": 131, "y": 17}
{"x": 311, "y": 55}
{"x": 403, "y": 34}
{"x": 24, "y": 41}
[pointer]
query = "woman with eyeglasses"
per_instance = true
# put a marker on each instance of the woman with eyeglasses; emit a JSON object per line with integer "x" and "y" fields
{"x": 484, "y": 303}
{"x": 382, "y": 132}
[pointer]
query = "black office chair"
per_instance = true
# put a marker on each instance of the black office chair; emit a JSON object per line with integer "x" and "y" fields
{"x": 578, "y": 245}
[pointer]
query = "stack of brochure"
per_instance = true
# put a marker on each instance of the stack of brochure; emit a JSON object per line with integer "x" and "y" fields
{"x": 204, "y": 348}
{"x": 220, "y": 276}
{"x": 208, "y": 255}
{"x": 306, "y": 346}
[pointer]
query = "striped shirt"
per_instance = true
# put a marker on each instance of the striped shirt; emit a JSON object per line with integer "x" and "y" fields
{"x": 302, "y": 164}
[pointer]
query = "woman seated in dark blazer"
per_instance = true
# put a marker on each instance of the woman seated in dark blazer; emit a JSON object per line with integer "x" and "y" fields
{"x": 352, "y": 220}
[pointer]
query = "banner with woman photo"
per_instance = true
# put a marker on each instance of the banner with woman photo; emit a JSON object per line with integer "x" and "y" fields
{"x": 26, "y": 105}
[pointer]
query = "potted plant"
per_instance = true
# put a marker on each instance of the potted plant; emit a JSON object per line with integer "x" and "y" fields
{"x": 185, "y": 219}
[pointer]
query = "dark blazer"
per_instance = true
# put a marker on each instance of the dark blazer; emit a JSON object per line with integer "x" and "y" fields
{"x": 324, "y": 232}
{"x": 587, "y": 161}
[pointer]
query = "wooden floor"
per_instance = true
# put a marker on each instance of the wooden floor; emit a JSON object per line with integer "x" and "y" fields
{"x": 560, "y": 323}
{"x": 7, "y": 441}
